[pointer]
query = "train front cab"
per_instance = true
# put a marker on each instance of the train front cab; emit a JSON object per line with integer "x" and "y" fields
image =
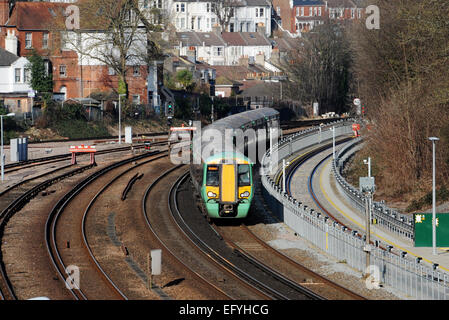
{"x": 227, "y": 189}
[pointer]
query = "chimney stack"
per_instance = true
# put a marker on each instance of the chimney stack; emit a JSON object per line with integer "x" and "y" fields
{"x": 11, "y": 42}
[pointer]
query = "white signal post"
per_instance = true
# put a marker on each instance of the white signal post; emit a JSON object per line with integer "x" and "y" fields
{"x": 120, "y": 117}
{"x": 333, "y": 142}
{"x": 368, "y": 162}
{"x": 284, "y": 164}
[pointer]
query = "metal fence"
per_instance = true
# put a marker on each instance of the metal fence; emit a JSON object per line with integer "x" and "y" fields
{"x": 387, "y": 218}
{"x": 414, "y": 278}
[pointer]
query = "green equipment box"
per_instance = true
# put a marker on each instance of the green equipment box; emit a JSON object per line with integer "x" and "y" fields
{"x": 423, "y": 229}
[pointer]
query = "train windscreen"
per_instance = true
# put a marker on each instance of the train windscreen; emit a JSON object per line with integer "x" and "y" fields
{"x": 244, "y": 175}
{"x": 213, "y": 176}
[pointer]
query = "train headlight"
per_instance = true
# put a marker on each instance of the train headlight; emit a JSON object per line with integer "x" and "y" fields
{"x": 245, "y": 194}
{"x": 210, "y": 194}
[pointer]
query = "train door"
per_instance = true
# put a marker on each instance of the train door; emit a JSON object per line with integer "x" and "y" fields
{"x": 228, "y": 184}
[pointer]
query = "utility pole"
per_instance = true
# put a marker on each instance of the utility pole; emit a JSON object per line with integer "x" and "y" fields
{"x": 434, "y": 219}
{"x": 212, "y": 114}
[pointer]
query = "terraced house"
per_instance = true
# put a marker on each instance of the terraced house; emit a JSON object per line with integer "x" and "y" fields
{"x": 230, "y": 15}
{"x": 299, "y": 16}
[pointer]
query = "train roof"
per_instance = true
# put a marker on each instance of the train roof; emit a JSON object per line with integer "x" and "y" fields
{"x": 231, "y": 157}
{"x": 239, "y": 120}
{"x": 216, "y": 144}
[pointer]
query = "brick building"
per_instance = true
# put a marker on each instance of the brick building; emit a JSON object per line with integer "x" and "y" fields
{"x": 299, "y": 16}
{"x": 30, "y": 26}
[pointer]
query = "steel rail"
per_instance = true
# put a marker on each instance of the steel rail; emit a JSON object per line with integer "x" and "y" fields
{"x": 83, "y": 224}
{"x": 212, "y": 254}
{"x": 301, "y": 267}
{"x": 50, "y": 225}
{"x": 161, "y": 242}
{"x": 19, "y": 203}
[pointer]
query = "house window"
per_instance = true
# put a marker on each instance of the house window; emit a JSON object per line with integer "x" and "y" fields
{"x": 27, "y": 76}
{"x": 28, "y": 40}
{"x": 17, "y": 74}
{"x": 302, "y": 11}
{"x": 208, "y": 7}
{"x": 177, "y": 7}
{"x": 278, "y": 11}
{"x": 261, "y": 13}
{"x": 111, "y": 71}
{"x": 218, "y": 51}
{"x": 46, "y": 67}
{"x": 136, "y": 99}
{"x": 45, "y": 40}
{"x": 352, "y": 13}
{"x": 310, "y": 11}
{"x": 183, "y": 7}
{"x": 319, "y": 11}
{"x": 257, "y": 12}
{"x": 136, "y": 71}
{"x": 63, "y": 71}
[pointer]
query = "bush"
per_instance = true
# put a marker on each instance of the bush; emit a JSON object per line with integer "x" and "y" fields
{"x": 74, "y": 129}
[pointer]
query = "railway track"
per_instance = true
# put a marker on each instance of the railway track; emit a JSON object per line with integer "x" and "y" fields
{"x": 254, "y": 273}
{"x": 13, "y": 167}
{"x": 66, "y": 212}
{"x": 177, "y": 246}
{"x": 241, "y": 238}
{"x": 15, "y": 198}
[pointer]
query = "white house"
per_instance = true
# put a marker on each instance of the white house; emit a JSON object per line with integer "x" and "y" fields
{"x": 199, "y": 16}
{"x": 14, "y": 82}
{"x": 224, "y": 49}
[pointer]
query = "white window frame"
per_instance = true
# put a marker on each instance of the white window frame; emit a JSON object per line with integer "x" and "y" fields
{"x": 28, "y": 42}
{"x": 17, "y": 75}
{"x": 62, "y": 67}
{"x": 45, "y": 38}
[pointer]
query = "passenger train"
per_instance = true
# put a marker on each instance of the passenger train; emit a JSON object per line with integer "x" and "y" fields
{"x": 225, "y": 178}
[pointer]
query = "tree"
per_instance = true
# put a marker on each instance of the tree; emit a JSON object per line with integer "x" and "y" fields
{"x": 116, "y": 34}
{"x": 320, "y": 68}
{"x": 401, "y": 74}
{"x": 184, "y": 77}
{"x": 41, "y": 79}
{"x": 224, "y": 10}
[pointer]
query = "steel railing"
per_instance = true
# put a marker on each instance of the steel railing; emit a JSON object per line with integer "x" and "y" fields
{"x": 389, "y": 219}
{"x": 412, "y": 277}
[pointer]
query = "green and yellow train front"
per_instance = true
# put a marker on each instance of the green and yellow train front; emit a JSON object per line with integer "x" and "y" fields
{"x": 227, "y": 188}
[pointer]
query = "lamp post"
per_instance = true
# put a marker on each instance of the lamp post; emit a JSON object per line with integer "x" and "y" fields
{"x": 2, "y": 151}
{"x": 434, "y": 231}
{"x": 120, "y": 117}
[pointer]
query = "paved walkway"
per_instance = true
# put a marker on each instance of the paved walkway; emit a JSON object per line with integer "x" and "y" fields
{"x": 325, "y": 186}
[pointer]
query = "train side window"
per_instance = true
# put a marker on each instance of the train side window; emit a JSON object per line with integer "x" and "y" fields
{"x": 213, "y": 176}
{"x": 244, "y": 175}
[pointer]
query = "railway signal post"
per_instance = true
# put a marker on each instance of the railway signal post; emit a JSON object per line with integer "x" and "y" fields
{"x": 368, "y": 187}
